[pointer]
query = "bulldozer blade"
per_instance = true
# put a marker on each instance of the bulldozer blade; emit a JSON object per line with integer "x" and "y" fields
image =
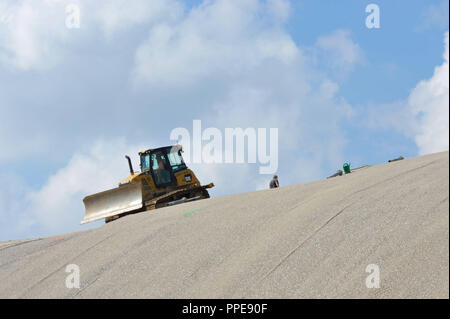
{"x": 112, "y": 202}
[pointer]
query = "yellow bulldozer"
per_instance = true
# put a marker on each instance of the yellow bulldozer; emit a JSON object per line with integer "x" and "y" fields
{"x": 164, "y": 180}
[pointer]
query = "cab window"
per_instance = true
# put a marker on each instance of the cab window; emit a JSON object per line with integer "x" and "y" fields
{"x": 158, "y": 157}
{"x": 161, "y": 169}
{"x": 145, "y": 162}
{"x": 176, "y": 161}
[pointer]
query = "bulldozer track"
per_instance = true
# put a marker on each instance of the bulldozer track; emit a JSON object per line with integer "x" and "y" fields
{"x": 168, "y": 197}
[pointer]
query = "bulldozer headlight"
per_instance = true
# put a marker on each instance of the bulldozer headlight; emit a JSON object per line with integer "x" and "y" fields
{"x": 188, "y": 178}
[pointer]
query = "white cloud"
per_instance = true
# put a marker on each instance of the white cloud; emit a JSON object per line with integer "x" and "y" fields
{"x": 422, "y": 117}
{"x": 34, "y": 36}
{"x": 120, "y": 15}
{"x": 341, "y": 53}
{"x": 435, "y": 16}
{"x": 279, "y": 9}
{"x": 429, "y": 103}
{"x": 207, "y": 41}
{"x": 32, "y": 33}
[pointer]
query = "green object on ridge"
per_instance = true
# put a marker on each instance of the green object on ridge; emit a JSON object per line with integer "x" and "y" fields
{"x": 346, "y": 168}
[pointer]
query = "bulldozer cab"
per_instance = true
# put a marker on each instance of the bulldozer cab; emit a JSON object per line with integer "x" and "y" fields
{"x": 162, "y": 164}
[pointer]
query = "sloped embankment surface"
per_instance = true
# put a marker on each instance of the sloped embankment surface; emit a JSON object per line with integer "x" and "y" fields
{"x": 310, "y": 240}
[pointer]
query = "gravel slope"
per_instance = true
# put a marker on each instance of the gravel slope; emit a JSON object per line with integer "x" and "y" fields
{"x": 310, "y": 240}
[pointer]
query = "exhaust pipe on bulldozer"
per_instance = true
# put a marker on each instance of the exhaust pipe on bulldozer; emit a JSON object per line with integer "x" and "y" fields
{"x": 130, "y": 165}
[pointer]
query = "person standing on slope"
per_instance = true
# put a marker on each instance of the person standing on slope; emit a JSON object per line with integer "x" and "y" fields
{"x": 274, "y": 182}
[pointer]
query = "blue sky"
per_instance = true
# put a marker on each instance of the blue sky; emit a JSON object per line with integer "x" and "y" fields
{"x": 74, "y": 101}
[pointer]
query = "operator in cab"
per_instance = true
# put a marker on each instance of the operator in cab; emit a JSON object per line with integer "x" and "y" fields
{"x": 161, "y": 174}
